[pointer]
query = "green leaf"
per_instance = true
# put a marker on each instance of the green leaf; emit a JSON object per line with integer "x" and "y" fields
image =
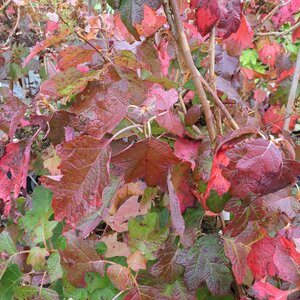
{"x": 146, "y": 235}
{"x": 37, "y": 258}
{"x": 193, "y": 216}
{"x": 10, "y": 281}
{"x": 206, "y": 262}
{"x": 35, "y": 222}
{"x": 6, "y": 243}
{"x": 178, "y": 290}
{"x": 216, "y": 203}
{"x": 30, "y": 292}
{"x": 99, "y": 287}
{"x": 101, "y": 248}
{"x": 54, "y": 267}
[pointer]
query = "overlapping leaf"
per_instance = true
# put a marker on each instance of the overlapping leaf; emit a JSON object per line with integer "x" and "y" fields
{"x": 84, "y": 168}
{"x": 148, "y": 160}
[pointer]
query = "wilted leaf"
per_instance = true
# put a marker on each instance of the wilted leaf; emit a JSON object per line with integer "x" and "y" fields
{"x": 148, "y": 159}
{"x": 78, "y": 191}
{"x": 231, "y": 17}
{"x": 120, "y": 277}
{"x": 73, "y": 56}
{"x": 176, "y": 216}
{"x": 115, "y": 247}
{"x": 206, "y": 262}
{"x": 136, "y": 261}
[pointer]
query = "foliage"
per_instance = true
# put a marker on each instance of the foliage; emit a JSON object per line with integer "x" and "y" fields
{"x": 112, "y": 183}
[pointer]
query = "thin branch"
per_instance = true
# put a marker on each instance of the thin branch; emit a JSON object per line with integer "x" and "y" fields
{"x": 186, "y": 53}
{"x": 272, "y": 12}
{"x": 279, "y": 33}
{"x": 212, "y": 57}
{"x": 292, "y": 93}
{"x": 5, "y": 4}
{"x": 15, "y": 27}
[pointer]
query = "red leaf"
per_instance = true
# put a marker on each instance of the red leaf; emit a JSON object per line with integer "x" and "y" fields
{"x": 238, "y": 248}
{"x": 285, "y": 13}
{"x": 14, "y": 168}
{"x": 207, "y": 15}
{"x": 171, "y": 122}
{"x": 151, "y": 22}
{"x": 73, "y": 56}
{"x": 240, "y": 40}
{"x": 163, "y": 100}
{"x": 275, "y": 257}
{"x": 268, "y": 51}
{"x": 148, "y": 159}
{"x": 12, "y": 111}
{"x": 85, "y": 173}
{"x": 296, "y": 34}
{"x": 120, "y": 277}
{"x": 260, "y": 95}
{"x": 216, "y": 179}
{"x": 275, "y": 118}
{"x": 264, "y": 290}
{"x": 260, "y": 259}
{"x": 103, "y": 106}
{"x": 181, "y": 178}
{"x": 187, "y": 150}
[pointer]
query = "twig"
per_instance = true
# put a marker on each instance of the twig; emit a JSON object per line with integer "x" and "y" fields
{"x": 212, "y": 57}
{"x": 292, "y": 93}
{"x": 279, "y": 33}
{"x": 272, "y": 12}
{"x": 186, "y": 53}
{"x": 123, "y": 130}
{"x": 5, "y": 4}
{"x": 15, "y": 27}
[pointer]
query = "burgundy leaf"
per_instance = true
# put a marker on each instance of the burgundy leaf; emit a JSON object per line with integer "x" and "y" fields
{"x": 231, "y": 17}
{"x": 207, "y": 15}
{"x": 171, "y": 122}
{"x": 193, "y": 114}
{"x": 85, "y": 173}
{"x": 226, "y": 65}
{"x": 149, "y": 160}
{"x": 12, "y": 110}
{"x": 80, "y": 257}
{"x": 253, "y": 167}
{"x": 104, "y": 107}
{"x": 181, "y": 180}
